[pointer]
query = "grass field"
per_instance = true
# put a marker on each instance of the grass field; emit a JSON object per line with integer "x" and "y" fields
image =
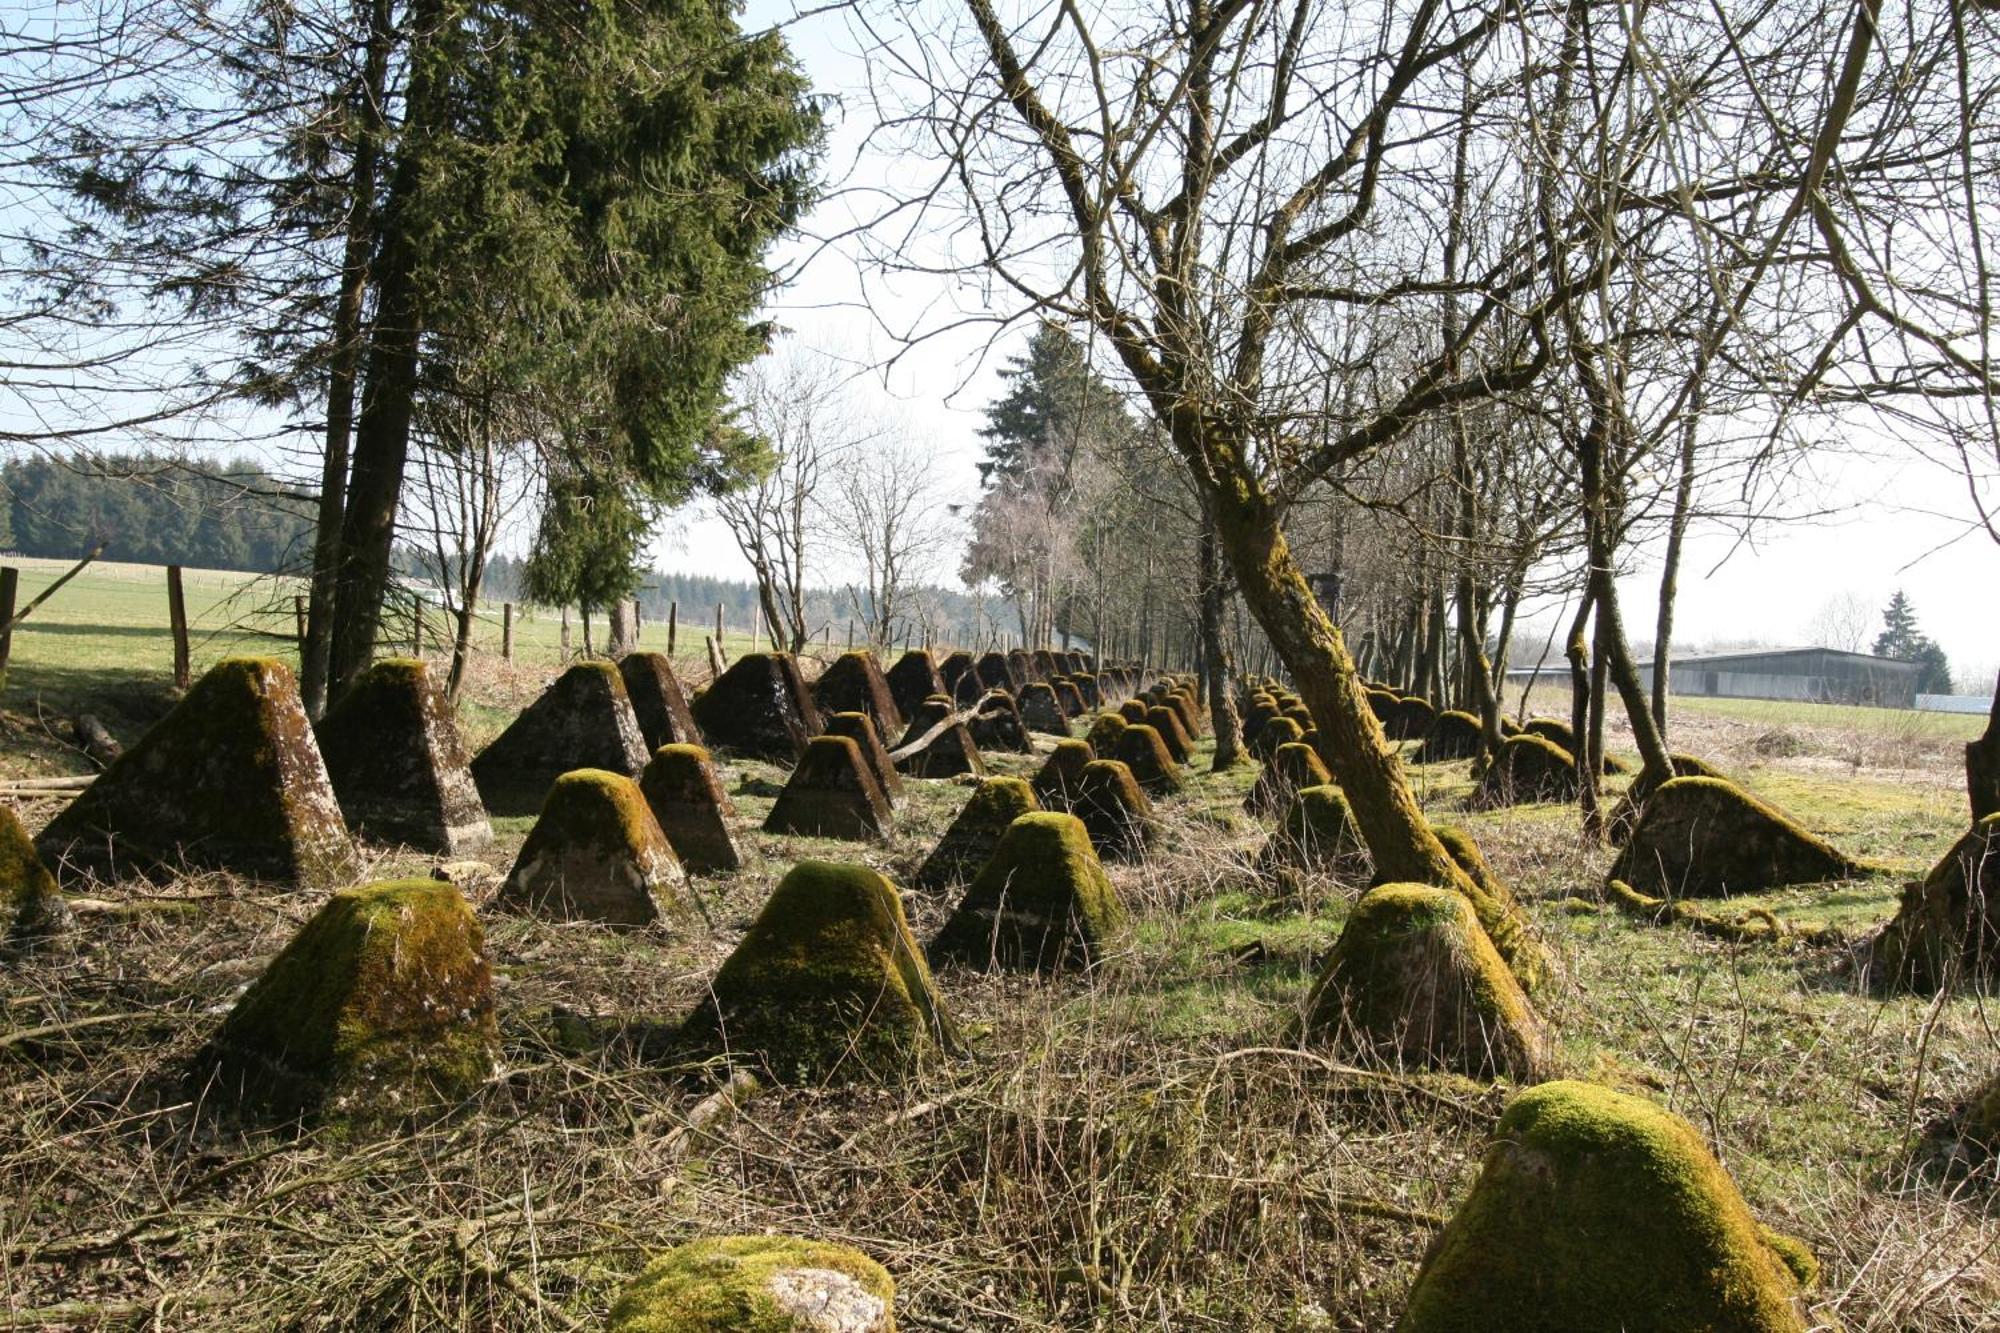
{"x": 1142, "y": 1148}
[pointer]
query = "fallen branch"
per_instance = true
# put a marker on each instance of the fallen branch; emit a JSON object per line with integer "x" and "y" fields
{"x": 51, "y": 590}
{"x": 1758, "y": 925}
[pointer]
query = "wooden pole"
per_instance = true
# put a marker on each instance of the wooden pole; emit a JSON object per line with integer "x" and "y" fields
{"x": 850, "y": 636}
{"x": 416, "y": 625}
{"x": 10, "y": 586}
{"x": 673, "y": 625}
{"x": 565, "y": 633}
{"x": 718, "y": 627}
{"x": 178, "y": 619}
{"x": 299, "y": 618}
{"x": 506, "y": 631}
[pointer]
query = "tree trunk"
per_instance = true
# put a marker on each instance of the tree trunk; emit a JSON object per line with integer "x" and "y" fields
{"x": 624, "y": 632}
{"x": 1670, "y": 571}
{"x": 1982, "y": 765}
{"x": 1215, "y": 654}
{"x": 1576, "y": 649}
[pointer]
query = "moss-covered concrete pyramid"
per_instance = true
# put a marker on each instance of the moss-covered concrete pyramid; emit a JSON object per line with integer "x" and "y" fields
{"x": 1947, "y": 927}
{"x": 1706, "y": 838}
{"x": 954, "y": 668}
{"x": 584, "y": 720}
{"x": 686, "y": 796}
{"x": 1115, "y": 810}
{"x": 855, "y": 684}
{"x": 1070, "y": 695}
{"x": 31, "y": 907}
{"x": 997, "y": 671}
{"x": 998, "y": 725}
{"x": 1563, "y": 736}
{"x": 860, "y": 728}
{"x": 759, "y": 707}
{"x": 1497, "y": 908}
{"x": 1318, "y": 833}
{"x": 831, "y": 794}
{"x": 1275, "y": 735}
{"x": 1141, "y": 750}
{"x": 1061, "y": 777}
{"x": 1042, "y": 902}
{"x": 1414, "y": 980}
{"x": 231, "y": 779}
{"x": 1411, "y": 719}
{"x": 658, "y": 701}
{"x": 827, "y": 984}
{"x": 1172, "y": 732}
{"x": 758, "y": 1284}
{"x": 913, "y": 679}
{"x": 1625, "y": 814}
{"x": 398, "y": 764}
{"x": 1105, "y": 729}
{"x": 1295, "y": 766}
{"x": 1455, "y": 735}
{"x": 596, "y": 854}
{"x": 1527, "y": 769}
{"x": 1042, "y": 711}
{"x": 948, "y": 754}
{"x": 976, "y": 831}
{"x": 1133, "y": 711}
{"x": 1595, "y": 1210}
{"x": 381, "y": 1006}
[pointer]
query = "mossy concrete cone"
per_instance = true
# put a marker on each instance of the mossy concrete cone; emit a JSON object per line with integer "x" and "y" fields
{"x": 1061, "y": 777}
{"x": 954, "y": 667}
{"x": 1947, "y": 927}
{"x": 1597, "y": 1212}
{"x": 682, "y": 788}
{"x": 946, "y": 755}
{"x": 913, "y": 679}
{"x": 1042, "y": 711}
{"x": 1293, "y": 768}
{"x": 827, "y": 984}
{"x": 759, "y": 707}
{"x": 998, "y": 672}
{"x": 584, "y": 720}
{"x": 1274, "y": 735}
{"x": 1069, "y": 694}
{"x": 1563, "y": 736}
{"x": 1173, "y": 733}
{"x": 1105, "y": 729}
{"x": 380, "y": 1007}
{"x": 1116, "y": 812}
{"x": 1414, "y": 980}
{"x": 831, "y": 794}
{"x": 595, "y": 854}
{"x": 855, "y": 684}
{"x": 1497, "y": 908}
{"x": 1318, "y": 833}
{"x": 758, "y": 1284}
{"x": 231, "y": 779}
{"x": 1454, "y": 735}
{"x": 1041, "y": 903}
{"x": 860, "y": 728}
{"x": 1625, "y": 814}
{"x": 974, "y": 833}
{"x": 998, "y": 726}
{"x": 1706, "y": 838}
{"x": 658, "y": 701}
{"x": 398, "y": 765}
{"x": 1527, "y": 769}
{"x": 1142, "y": 751}
{"x": 31, "y": 907}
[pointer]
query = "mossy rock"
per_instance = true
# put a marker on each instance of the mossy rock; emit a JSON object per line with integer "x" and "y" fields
{"x": 397, "y": 763}
{"x": 949, "y": 754}
{"x": 1174, "y": 736}
{"x": 826, "y": 985}
{"x": 1294, "y": 766}
{"x": 658, "y": 701}
{"x": 1133, "y": 711}
{"x": 855, "y": 684}
{"x": 757, "y": 1284}
{"x": 1102, "y": 738}
{"x": 1061, "y": 777}
{"x": 1595, "y": 1210}
{"x": 1141, "y": 749}
{"x": 1042, "y": 711}
{"x": 1498, "y": 910}
{"x": 998, "y": 672}
{"x": 1527, "y": 769}
{"x": 998, "y": 726}
{"x": 913, "y": 679}
{"x": 1455, "y": 735}
{"x": 1041, "y": 903}
{"x": 759, "y": 707}
{"x": 1318, "y": 833}
{"x": 1070, "y": 696}
{"x": 1274, "y": 735}
{"x": 1625, "y": 814}
{"x": 1414, "y": 980}
{"x": 231, "y": 779}
{"x": 1947, "y": 926}
{"x": 31, "y": 906}
{"x": 1115, "y": 811}
{"x": 381, "y": 1007}
{"x": 1563, "y": 736}
{"x": 976, "y": 831}
{"x": 584, "y": 720}
{"x": 860, "y": 728}
{"x": 1258, "y": 714}
{"x": 597, "y": 853}
{"x": 1706, "y": 838}
{"x": 954, "y": 668}
{"x": 686, "y": 796}
{"x": 831, "y": 794}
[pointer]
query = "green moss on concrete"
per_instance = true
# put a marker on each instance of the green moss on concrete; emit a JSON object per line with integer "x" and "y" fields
{"x": 1133, "y": 711}
{"x": 1173, "y": 735}
{"x": 584, "y": 720}
{"x": 1498, "y": 910}
{"x": 860, "y": 729}
{"x": 826, "y": 985}
{"x": 1294, "y": 767}
{"x": 759, "y": 707}
{"x": 1102, "y": 738}
{"x": 1597, "y": 1210}
{"x": 1625, "y": 814}
{"x": 1561, "y": 735}
{"x": 757, "y": 1284}
{"x": 1042, "y": 902}
{"x": 1947, "y": 926}
{"x": 1061, "y": 777}
{"x": 1414, "y": 980}
{"x": 231, "y": 779}
{"x": 1527, "y": 769}
{"x": 31, "y": 907}
{"x": 1455, "y": 735}
{"x": 597, "y": 853}
{"x": 831, "y": 794}
{"x": 975, "y": 832}
{"x": 1705, "y": 838}
{"x": 949, "y": 754}
{"x": 1318, "y": 833}
{"x": 682, "y": 788}
{"x": 1115, "y": 811}
{"x": 1275, "y": 735}
{"x": 397, "y": 763}
{"x": 380, "y": 1007}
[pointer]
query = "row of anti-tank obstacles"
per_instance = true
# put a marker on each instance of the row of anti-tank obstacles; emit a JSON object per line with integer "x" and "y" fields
{"x": 1420, "y": 975}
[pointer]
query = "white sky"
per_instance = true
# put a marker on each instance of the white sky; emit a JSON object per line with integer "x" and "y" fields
{"x": 1904, "y": 521}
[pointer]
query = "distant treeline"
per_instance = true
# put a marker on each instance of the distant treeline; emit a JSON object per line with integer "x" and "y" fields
{"x": 154, "y": 510}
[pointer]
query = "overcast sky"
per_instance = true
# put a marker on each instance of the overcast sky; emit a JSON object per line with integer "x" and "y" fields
{"x": 1904, "y": 520}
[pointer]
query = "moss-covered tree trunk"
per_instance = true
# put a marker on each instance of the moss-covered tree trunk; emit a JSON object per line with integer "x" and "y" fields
{"x": 1215, "y": 653}
{"x": 1982, "y": 765}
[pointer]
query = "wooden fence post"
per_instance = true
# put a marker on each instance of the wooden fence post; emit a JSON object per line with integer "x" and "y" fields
{"x": 10, "y": 587}
{"x": 177, "y": 617}
{"x": 673, "y": 624}
{"x": 718, "y": 626}
{"x": 299, "y": 618}
{"x": 506, "y": 631}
